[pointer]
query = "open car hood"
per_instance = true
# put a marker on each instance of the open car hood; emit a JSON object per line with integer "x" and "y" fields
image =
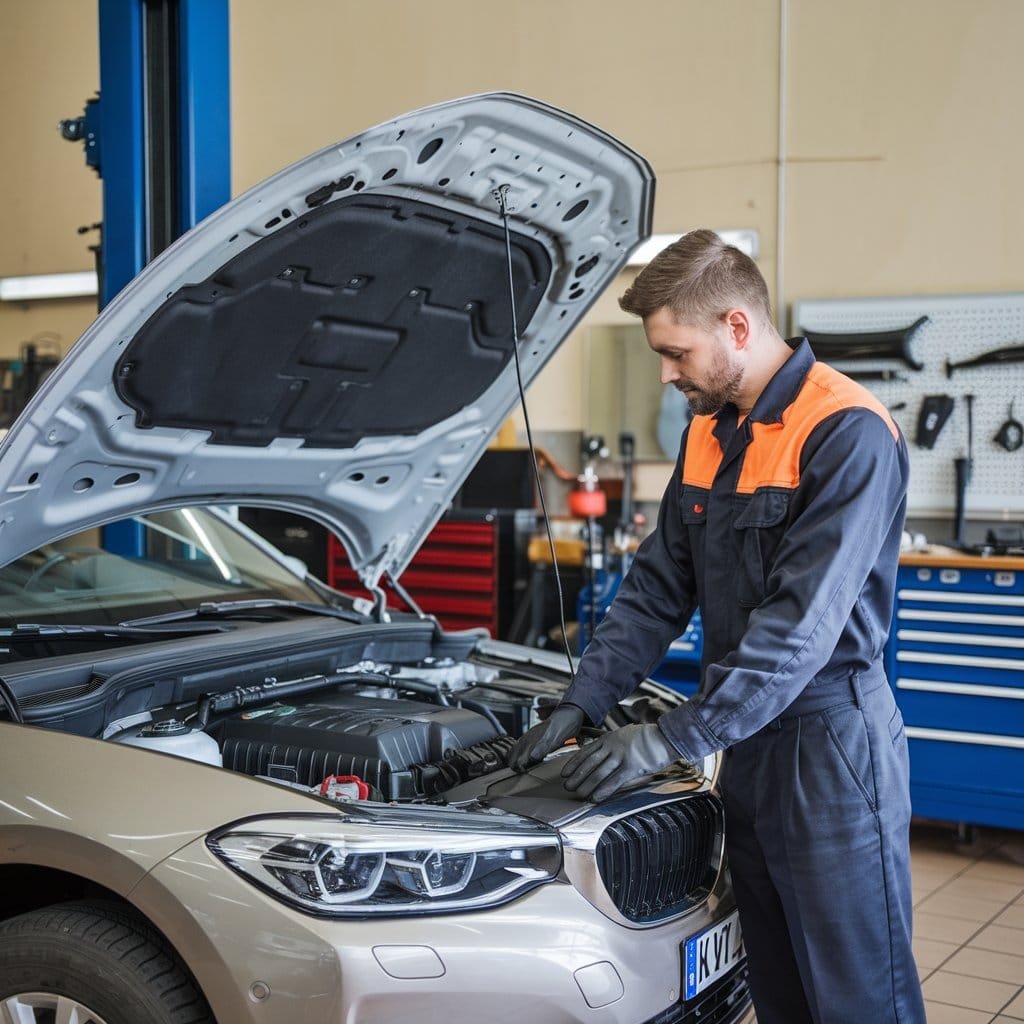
{"x": 338, "y": 341}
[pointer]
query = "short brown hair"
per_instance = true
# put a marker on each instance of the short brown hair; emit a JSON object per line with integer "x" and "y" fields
{"x": 699, "y": 278}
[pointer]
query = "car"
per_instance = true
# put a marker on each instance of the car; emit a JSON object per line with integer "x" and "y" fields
{"x": 230, "y": 793}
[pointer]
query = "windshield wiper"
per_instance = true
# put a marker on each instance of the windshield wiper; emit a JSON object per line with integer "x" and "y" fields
{"x": 31, "y": 632}
{"x": 240, "y": 609}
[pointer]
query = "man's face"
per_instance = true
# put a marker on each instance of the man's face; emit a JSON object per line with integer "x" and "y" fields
{"x": 698, "y": 362}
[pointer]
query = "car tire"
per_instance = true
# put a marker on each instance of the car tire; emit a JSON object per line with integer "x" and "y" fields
{"x": 93, "y": 962}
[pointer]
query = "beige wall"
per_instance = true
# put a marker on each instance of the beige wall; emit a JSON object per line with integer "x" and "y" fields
{"x": 905, "y": 163}
{"x": 48, "y": 68}
{"x": 902, "y": 158}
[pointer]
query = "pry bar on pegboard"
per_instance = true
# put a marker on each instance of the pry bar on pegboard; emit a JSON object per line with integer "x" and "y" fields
{"x": 1008, "y": 354}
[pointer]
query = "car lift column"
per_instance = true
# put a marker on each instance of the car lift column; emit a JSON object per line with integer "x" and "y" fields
{"x": 163, "y": 125}
{"x": 164, "y": 147}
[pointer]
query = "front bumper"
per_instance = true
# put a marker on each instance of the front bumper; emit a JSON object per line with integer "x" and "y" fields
{"x": 549, "y": 956}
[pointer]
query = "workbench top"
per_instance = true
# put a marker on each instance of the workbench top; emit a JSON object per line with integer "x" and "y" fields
{"x": 572, "y": 551}
{"x": 937, "y": 555}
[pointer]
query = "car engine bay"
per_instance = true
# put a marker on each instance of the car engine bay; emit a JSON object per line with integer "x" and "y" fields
{"x": 398, "y": 721}
{"x": 389, "y": 732}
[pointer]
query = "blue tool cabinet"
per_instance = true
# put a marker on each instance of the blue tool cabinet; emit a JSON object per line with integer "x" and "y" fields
{"x": 955, "y": 660}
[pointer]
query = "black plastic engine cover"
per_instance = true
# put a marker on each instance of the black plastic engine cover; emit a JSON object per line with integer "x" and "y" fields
{"x": 378, "y": 740}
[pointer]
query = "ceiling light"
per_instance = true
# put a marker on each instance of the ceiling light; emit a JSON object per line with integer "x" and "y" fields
{"x": 747, "y": 240}
{"x": 48, "y": 286}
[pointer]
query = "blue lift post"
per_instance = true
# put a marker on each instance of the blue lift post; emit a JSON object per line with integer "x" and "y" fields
{"x": 159, "y": 138}
{"x": 164, "y": 126}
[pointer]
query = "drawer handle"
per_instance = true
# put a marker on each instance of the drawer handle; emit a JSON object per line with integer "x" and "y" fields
{"x": 973, "y": 618}
{"x": 975, "y": 639}
{"x": 981, "y": 738}
{"x": 968, "y": 689}
{"x": 964, "y": 660}
{"x": 962, "y": 597}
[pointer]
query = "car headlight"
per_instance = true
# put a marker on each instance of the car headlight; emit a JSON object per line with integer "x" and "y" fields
{"x": 391, "y": 861}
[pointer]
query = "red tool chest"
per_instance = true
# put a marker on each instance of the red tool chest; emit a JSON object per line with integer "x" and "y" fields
{"x": 453, "y": 576}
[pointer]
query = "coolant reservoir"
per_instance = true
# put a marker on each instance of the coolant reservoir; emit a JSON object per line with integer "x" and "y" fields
{"x": 177, "y": 738}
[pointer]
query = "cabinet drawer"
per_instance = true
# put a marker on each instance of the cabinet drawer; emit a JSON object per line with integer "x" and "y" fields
{"x": 945, "y": 579}
{"x": 989, "y": 669}
{"x": 962, "y": 760}
{"x": 986, "y": 618}
{"x": 962, "y": 707}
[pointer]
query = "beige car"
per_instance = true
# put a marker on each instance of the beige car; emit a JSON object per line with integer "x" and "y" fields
{"x": 229, "y": 793}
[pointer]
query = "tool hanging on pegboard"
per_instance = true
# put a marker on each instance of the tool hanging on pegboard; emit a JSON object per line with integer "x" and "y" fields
{"x": 1011, "y": 433}
{"x": 963, "y": 468}
{"x": 935, "y": 410}
{"x": 997, "y": 356}
{"x": 893, "y": 344}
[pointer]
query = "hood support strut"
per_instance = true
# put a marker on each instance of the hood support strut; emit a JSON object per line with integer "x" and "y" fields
{"x": 380, "y": 602}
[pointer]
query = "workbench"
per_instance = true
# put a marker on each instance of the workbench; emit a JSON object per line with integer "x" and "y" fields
{"x": 955, "y": 659}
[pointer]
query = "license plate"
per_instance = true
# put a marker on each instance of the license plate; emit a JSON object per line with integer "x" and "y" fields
{"x": 706, "y": 957}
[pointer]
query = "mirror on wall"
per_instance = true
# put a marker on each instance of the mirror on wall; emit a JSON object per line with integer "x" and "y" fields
{"x": 622, "y": 393}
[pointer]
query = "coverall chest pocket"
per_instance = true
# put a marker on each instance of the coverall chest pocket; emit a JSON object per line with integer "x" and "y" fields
{"x": 693, "y": 512}
{"x": 760, "y": 524}
{"x": 693, "y": 505}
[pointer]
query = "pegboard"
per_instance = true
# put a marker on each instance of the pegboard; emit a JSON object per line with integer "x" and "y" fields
{"x": 959, "y": 327}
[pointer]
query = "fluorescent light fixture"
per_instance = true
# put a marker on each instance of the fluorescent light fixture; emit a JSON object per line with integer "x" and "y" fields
{"x": 48, "y": 286}
{"x": 747, "y": 240}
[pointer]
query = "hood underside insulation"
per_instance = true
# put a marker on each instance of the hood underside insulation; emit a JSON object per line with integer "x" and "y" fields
{"x": 372, "y": 315}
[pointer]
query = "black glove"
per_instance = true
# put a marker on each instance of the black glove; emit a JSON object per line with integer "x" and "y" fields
{"x": 533, "y": 746}
{"x": 609, "y": 762}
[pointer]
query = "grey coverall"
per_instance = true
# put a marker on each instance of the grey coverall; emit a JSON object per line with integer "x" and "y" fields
{"x": 785, "y": 530}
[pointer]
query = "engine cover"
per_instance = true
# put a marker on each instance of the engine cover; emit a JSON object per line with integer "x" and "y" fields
{"x": 378, "y": 739}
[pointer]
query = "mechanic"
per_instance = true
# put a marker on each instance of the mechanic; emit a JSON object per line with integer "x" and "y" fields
{"x": 782, "y": 523}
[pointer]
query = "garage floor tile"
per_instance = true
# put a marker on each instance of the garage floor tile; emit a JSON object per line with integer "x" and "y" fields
{"x": 973, "y": 993}
{"x": 930, "y": 954}
{"x": 1000, "y": 938}
{"x": 1015, "y": 1010}
{"x": 963, "y": 907}
{"x": 1012, "y": 917}
{"x": 945, "y": 929}
{"x": 941, "y": 1013}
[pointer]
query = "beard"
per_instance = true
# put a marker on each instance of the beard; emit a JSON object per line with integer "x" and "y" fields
{"x": 721, "y": 386}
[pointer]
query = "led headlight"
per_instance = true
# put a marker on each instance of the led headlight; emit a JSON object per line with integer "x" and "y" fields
{"x": 391, "y": 860}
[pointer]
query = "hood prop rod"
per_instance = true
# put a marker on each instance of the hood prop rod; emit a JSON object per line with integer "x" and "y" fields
{"x": 405, "y": 596}
{"x": 380, "y": 601}
{"x": 501, "y": 196}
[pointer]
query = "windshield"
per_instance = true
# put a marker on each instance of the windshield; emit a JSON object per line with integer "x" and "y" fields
{"x": 147, "y": 565}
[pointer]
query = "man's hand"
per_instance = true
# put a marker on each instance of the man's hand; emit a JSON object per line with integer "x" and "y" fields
{"x": 606, "y": 764}
{"x": 533, "y": 746}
